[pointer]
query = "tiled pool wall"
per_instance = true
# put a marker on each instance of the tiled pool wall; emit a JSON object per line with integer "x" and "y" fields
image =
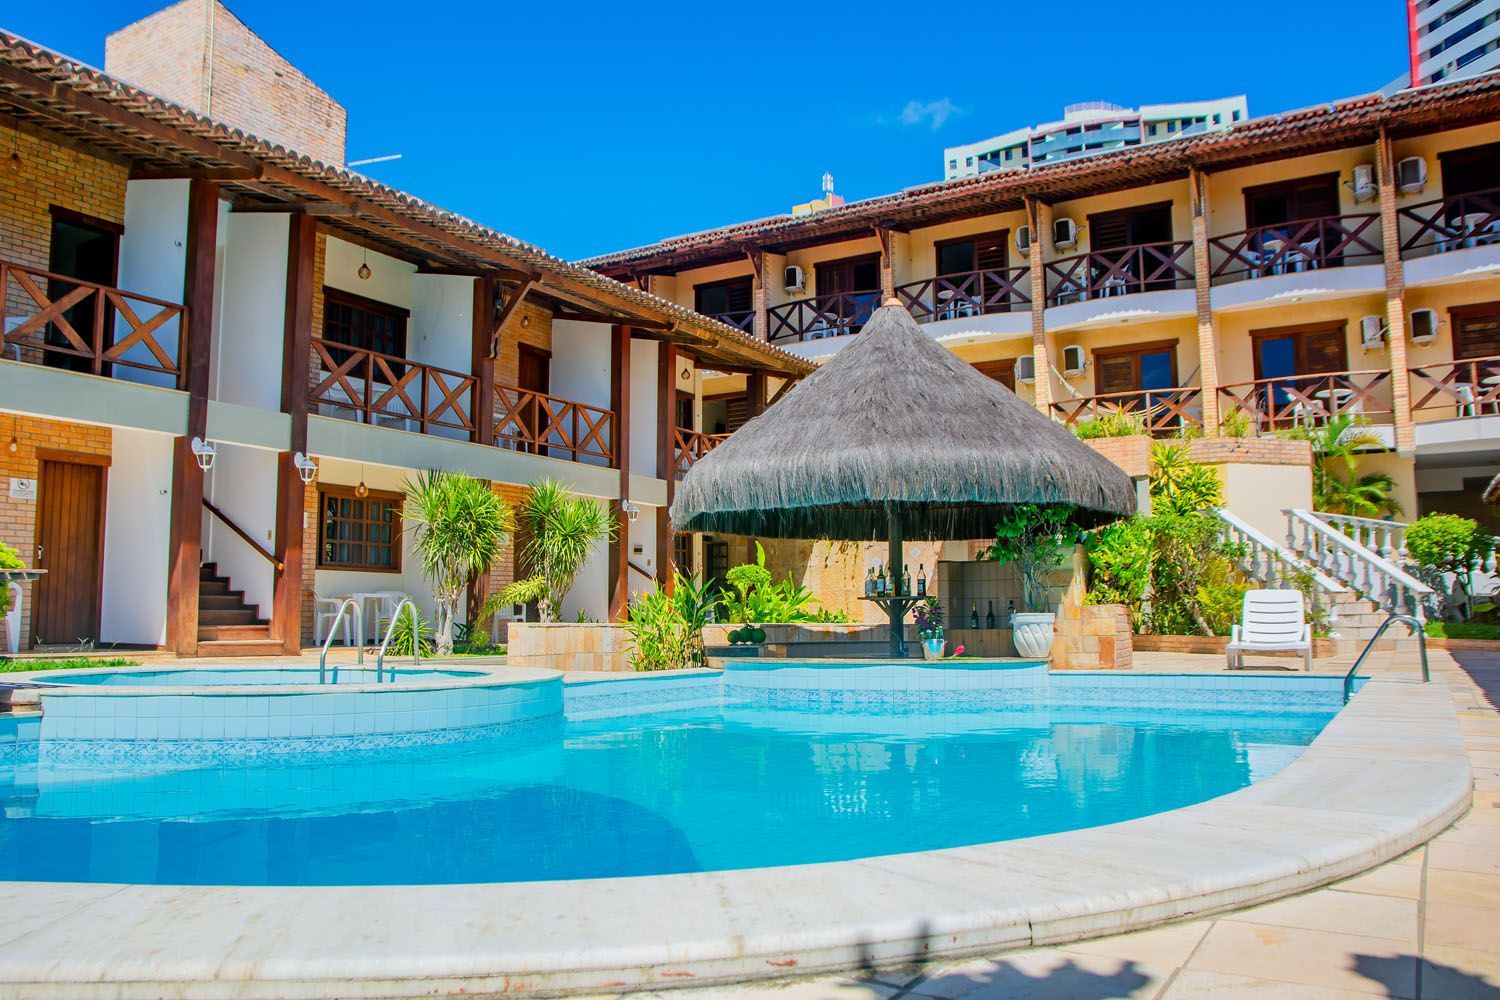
{"x": 19, "y": 733}
{"x": 211, "y": 725}
{"x": 629, "y": 695}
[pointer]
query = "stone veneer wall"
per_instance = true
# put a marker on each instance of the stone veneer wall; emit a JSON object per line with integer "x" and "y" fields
{"x": 569, "y": 646}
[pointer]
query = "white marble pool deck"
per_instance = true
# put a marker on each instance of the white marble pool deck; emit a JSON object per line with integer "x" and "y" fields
{"x": 1386, "y": 775}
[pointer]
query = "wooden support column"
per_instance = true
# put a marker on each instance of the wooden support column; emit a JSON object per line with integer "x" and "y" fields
{"x": 185, "y": 553}
{"x": 486, "y": 335}
{"x": 887, "y": 264}
{"x": 1208, "y": 341}
{"x": 666, "y": 455}
{"x": 619, "y": 402}
{"x": 1038, "y": 218}
{"x": 296, "y": 369}
{"x": 1395, "y": 297}
{"x": 760, "y": 325}
{"x": 755, "y": 390}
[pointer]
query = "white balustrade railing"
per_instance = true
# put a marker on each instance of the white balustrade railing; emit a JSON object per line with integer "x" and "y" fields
{"x": 1266, "y": 561}
{"x": 1379, "y": 579}
{"x": 1386, "y": 538}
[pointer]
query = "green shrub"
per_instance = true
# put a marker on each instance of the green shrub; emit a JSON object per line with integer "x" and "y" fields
{"x": 1447, "y": 543}
{"x": 9, "y": 559}
{"x": 1119, "y": 423}
{"x": 1180, "y": 485}
{"x": 1236, "y": 424}
{"x": 754, "y": 597}
{"x": 1463, "y": 630}
{"x": 1120, "y": 559}
{"x": 666, "y": 630}
{"x": 1033, "y": 537}
{"x": 411, "y": 629}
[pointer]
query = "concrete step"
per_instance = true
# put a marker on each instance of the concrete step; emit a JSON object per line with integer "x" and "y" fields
{"x": 230, "y": 616}
{"x": 239, "y": 647}
{"x": 213, "y": 633}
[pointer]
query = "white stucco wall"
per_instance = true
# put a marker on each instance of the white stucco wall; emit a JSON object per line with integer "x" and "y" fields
{"x": 1259, "y": 493}
{"x": 580, "y": 367}
{"x": 643, "y": 537}
{"x": 153, "y": 256}
{"x": 390, "y": 279}
{"x": 643, "y": 412}
{"x": 441, "y": 333}
{"x": 590, "y": 593}
{"x": 137, "y": 534}
{"x": 242, "y": 483}
{"x": 251, "y": 307}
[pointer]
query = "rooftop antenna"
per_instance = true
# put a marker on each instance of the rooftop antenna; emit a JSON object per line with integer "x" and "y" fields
{"x": 373, "y": 159}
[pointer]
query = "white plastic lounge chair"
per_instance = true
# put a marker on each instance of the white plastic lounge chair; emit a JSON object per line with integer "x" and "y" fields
{"x": 1271, "y": 621}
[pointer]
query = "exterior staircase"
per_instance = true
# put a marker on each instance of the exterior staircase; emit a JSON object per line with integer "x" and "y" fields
{"x": 227, "y": 625}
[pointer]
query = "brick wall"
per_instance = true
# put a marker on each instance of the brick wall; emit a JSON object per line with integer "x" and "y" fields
{"x": 530, "y": 324}
{"x": 1133, "y": 454}
{"x": 18, "y": 517}
{"x": 199, "y": 54}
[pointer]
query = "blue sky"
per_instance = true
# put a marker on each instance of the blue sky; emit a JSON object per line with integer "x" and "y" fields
{"x": 587, "y": 128}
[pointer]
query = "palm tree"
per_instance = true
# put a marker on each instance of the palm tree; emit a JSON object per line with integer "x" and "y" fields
{"x": 1338, "y": 443}
{"x": 458, "y": 527}
{"x": 562, "y": 529}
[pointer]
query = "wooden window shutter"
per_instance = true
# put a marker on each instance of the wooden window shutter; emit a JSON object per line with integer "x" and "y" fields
{"x": 1477, "y": 335}
{"x": 1116, "y": 373}
{"x": 1003, "y": 372}
{"x": 991, "y": 252}
{"x": 1324, "y": 351}
{"x": 736, "y": 412}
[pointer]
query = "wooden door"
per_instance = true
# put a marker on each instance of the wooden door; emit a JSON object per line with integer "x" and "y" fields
{"x": 1466, "y": 171}
{"x": 88, "y": 249}
{"x": 70, "y": 547}
{"x": 1292, "y": 201}
{"x": 1003, "y": 371}
{"x": 534, "y": 373}
{"x": 1476, "y": 331}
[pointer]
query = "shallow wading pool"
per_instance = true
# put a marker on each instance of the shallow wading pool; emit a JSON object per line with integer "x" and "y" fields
{"x": 770, "y": 763}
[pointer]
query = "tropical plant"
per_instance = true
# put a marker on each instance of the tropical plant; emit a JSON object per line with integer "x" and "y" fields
{"x": 1189, "y": 556}
{"x": 412, "y": 630}
{"x": 929, "y": 619}
{"x": 1448, "y": 543}
{"x": 1338, "y": 488}
{"x": 458, "y": 527}
{"x": 754, "y": 597}
{"x": 1120, "y": 560}
{"x": 666, "y": 629}
{"x": 1032, "y": 536}
{"x": 1113, "y": 424}
{"x": 561, "y": 531}
{"x": 1180, "y": 485}
{"x": 1236, "y": 424}
{"x": 9, "y": 559}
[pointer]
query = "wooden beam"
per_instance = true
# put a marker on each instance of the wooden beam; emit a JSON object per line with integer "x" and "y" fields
{"x": 584, "y": 316}
{"x": 185, "y": 551}
{"x": 756, "y": 387}
{"x": 619, "y": 402}
{"x": 320, "y": 209}
{"x": 296, "y": 369}
{"x": 151, "y": 172}
{"x": 511, "y": 305}
{"x": 785, "y": 388}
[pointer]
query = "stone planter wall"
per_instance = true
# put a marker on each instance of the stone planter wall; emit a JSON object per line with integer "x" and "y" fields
{"x": 568, "y": 646}
{"x": 1092, "y": 637}
{"x": 1214, "y": 645}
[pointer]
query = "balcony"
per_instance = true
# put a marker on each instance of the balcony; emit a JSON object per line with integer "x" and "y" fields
{"x": 1104, "y": 274}
{"x": 1162, "y": 412}
{"x": 967, "y": 295}
{"x": 1309, "y": 400}
{"x": 1452, "y": 389}
{"x": 1295, "y": 248}
{"x": 62, "y": 322}
{"x": 539, "y": 424}
{"x": 817, "y": 317}
{"x": 743, "y": 321}
{"x": 1462, "y": 222}
{"x": 688, "y": 446}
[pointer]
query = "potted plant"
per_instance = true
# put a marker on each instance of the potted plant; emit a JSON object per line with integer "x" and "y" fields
{"x": 929, "y": 619}
{"x": 1032, "y": 537}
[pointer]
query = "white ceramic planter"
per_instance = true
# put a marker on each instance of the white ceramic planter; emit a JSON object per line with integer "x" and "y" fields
{"x": 1032, "y": 632}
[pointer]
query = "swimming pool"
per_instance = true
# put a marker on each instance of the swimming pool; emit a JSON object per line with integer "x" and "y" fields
{"x": 764, "y": 766}
{"x": 283, "y": 676}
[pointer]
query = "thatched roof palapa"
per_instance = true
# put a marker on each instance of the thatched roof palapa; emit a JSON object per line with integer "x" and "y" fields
{"x": 895, "y": 432}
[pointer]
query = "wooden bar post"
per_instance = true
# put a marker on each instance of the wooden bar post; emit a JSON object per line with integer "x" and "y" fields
{"x": 898, "y": 587}
{"x": 185, "y": 552}
{"x": 296, "y": 370}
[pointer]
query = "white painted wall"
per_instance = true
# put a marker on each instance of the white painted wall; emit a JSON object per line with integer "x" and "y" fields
{"x": 390, "y": 279}
{"x": 441, "y": 333}
{"x": 251, "y": 306}
{"x": 590, "y": 593}
{"x": 242, "y": 484}
{"x": 153, "y": 259}
{"x": 137, "y": 535}
{"x": 643, "y": 430}
{"x": 580, "y": 366}
{"x": 643, "y": 537}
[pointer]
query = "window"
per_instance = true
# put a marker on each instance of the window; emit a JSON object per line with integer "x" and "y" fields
{"x": 359, "y": 533}
{"x": 735, "y": 296}
{"x": 969, "y": 161}
{"x": 1151, "y": 129}
{"x": 682, "y": 553}
{"x": 1218, "y": 119}
{"x": 365, "y": 323}
{"x": 952, "y": 164}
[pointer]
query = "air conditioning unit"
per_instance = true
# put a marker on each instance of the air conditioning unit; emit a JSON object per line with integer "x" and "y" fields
{"x": 793, "y": 279}
{"x": 1411, "y": 175}
{"x": 1026, "y": 369}
{"x": 1371, "y": 332}
{"x": 1023, "y": 240}
{"x": 1073, "y": 361}
{"x": 1064, "y": 234}
{"x": 1363, "y": 184}
{"x": 1424, "y": 326}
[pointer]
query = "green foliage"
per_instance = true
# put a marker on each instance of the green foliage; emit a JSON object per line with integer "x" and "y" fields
{"x": 458, "y": 527}
{"x": 1120, "y": 559}
{"x": 1338, "y": 488}
{"x": 666, "y": 630}
{"x": 1447, "y": 543}
{"x": 1180, "y": 485}
{"x": 10, "y": 666}
{"x": 412, "y": 630}
{"x": 1033, "y": 536}
{"x": 754, "y": 598}
{"x": 1236, "y": 424}
{"x": 9, "y": 559}
{"x": 561, "y": 531}
{"x": 1120, "y": 423}
{"x": 1463, "y": 630}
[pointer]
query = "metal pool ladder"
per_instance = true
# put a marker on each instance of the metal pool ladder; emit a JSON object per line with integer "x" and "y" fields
{"x": 416, "y": 629}
{"x": 333, "y": 630}
{"x": 1416, "y": 626}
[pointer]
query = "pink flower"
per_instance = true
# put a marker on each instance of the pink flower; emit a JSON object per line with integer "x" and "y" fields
{"x": 959, "y": 651}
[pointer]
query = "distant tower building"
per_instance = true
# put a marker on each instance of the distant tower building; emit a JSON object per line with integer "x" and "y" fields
{"x": 198, "y": 54}
{"x": 1091, "y": 127}
{"x": 829, "y": 199}
{"x": 1449, "y": 38}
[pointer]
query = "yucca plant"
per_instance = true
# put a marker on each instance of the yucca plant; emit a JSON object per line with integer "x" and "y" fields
{"x": 458, "y": 527}
{"x": 562, "y": 529}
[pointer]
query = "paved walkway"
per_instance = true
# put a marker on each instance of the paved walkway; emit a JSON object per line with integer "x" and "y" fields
{"x": 1424, "y": 926}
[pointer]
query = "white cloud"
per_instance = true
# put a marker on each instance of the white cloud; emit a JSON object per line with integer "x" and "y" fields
{"x": 930, "y": 113}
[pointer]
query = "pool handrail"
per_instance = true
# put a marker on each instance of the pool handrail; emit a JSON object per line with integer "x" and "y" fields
{"x": 416, "y": 629}
{"x": 333, "y": 630}
{"x": 1409, "y": 620}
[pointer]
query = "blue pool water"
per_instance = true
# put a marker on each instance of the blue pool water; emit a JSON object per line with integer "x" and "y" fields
{"x": 652, "y": 792}
{"x": 255, "y": 678}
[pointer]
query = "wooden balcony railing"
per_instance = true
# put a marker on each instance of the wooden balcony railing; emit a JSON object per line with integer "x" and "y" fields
{"x": 744, "y": 321}
{"x": 1456, "y": 223}
{"x": 1468, "y": 388}
{"x": 539, "y": 424}
{"x": 41, "y": 313}
{"x": 1161, "y": 411}
{"x": 964, "y": 296}
{"x": 821, "y": 316}
{"x": 689, "y": 445}
{"x": 1291, "y": 247}
{"x": 1122, "y": 271}
{"x": 1308, "y": 400}
{"x": 375, "y": 388}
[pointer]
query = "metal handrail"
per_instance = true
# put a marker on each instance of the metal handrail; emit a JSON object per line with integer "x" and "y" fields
{"x": 1414, "y": 625}
{"x": 416, "y": 638}
{"x": 359, "y": 625}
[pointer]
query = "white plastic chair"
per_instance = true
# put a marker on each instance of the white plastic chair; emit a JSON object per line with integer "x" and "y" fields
{"x": 1271, "y": 621}
{"x": 385, "y": 609}
{"x": 325, "y": 610}
{"x": 13, "y": 619}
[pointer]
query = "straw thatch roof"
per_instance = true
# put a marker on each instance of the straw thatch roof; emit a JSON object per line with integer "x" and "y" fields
{"x": 894, "y": 423}
{"x": 1492, "y": 491}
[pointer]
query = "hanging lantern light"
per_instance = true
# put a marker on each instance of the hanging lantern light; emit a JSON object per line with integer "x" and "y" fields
{"x": 364, "y": 267}
{"x": 361, "y": 490}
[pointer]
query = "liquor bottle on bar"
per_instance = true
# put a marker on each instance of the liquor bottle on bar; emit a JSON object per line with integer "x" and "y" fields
{"x": 921, "y": 580}
{"x": 879, "y": 580}
{"x": 905, "y": 587}
{"x": 870, "y": 582}
{"x": 989, "y": 615}
{"x": 1010, "y": 613}
{"x": 973, "y": 615}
